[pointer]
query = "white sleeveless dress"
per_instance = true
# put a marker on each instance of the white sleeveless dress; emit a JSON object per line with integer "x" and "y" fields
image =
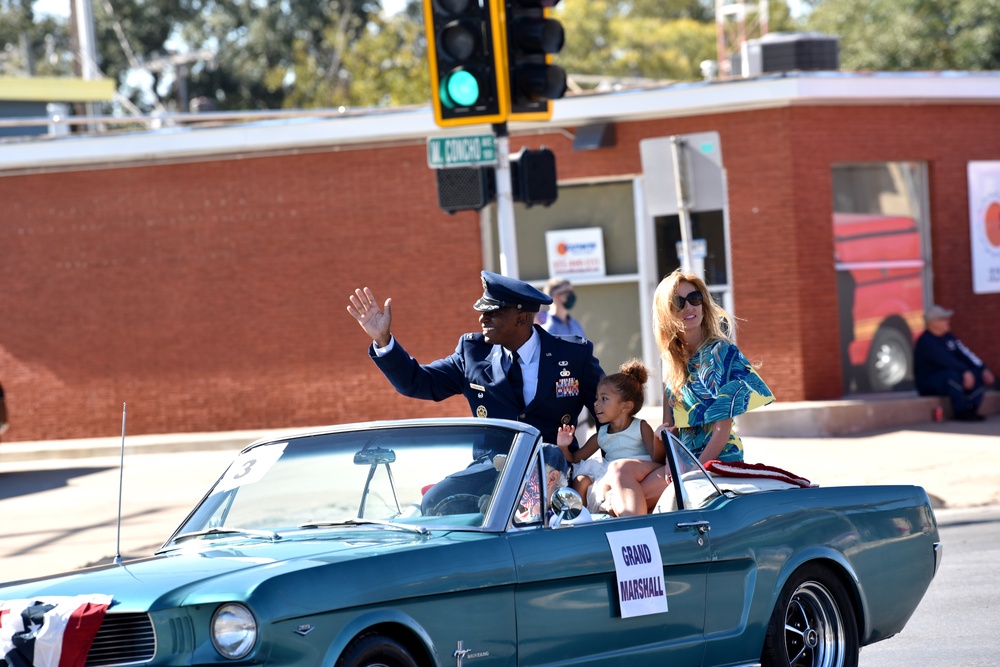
{"x": 625, "y": 444}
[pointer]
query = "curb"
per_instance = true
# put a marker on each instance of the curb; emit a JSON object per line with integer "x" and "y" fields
{"x": 47, "y": 450}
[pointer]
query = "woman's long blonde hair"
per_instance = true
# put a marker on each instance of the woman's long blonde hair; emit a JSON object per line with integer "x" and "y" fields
{"x": 668, "y": 327}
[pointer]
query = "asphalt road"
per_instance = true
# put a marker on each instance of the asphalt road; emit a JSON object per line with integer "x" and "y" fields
{"x": 955, "y": 624}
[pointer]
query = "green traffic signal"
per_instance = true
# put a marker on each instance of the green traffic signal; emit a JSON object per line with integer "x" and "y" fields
{"x": 465, "y": 62}
{"x": 459, "y": 89}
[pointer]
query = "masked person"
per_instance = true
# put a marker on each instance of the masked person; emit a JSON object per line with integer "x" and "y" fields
{"x": 559, "y": 322}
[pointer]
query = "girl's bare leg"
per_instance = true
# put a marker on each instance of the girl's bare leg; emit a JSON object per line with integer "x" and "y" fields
{"x": 653, "y": 486}
{"x": 625, "y": 477}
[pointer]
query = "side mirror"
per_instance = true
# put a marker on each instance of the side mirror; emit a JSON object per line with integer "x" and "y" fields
{"x": 568, "y": 508}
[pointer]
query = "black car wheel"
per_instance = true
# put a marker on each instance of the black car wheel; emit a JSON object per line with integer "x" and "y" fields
{"x": 813, "y": 624}
{"x": 374, "y": 650}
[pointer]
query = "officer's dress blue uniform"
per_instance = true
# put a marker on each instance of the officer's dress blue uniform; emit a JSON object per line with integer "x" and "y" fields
{"x": 568, "y": 374}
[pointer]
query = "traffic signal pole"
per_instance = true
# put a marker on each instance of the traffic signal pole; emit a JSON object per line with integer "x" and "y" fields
{"x": 505, "y": 205}
{"x": 677, "y": 147}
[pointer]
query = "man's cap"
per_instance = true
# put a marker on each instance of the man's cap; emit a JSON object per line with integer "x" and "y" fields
{"x": 505, "y": 292}
{"x": 937, "y": 312}
{"x": 554, "y": 457}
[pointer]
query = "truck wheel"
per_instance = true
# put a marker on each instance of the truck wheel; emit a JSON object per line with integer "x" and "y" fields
{"x": 890, "y": 359}
{"x": 813, "y": 624}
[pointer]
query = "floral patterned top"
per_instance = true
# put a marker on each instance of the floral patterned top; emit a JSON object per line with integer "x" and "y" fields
{"x": 721, "y": 384}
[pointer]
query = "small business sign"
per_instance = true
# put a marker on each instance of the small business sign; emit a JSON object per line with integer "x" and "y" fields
{"x": 984, "y": 225}
{"x": 468, "y": 151}
{"x": 575, "y": 252}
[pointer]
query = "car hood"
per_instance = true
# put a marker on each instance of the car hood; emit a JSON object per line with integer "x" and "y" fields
{"x": 351, "y": 566}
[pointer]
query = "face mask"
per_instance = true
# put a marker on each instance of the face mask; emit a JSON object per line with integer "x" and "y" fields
{"x": 570, "y": 301}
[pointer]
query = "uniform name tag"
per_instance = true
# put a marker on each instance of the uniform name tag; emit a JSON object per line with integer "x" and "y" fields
{"x": 566, "y": 387}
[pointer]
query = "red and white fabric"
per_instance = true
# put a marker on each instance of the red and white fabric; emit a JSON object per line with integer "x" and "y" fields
{"x": 755, "y": 470}
{"x": 50, "y": 631}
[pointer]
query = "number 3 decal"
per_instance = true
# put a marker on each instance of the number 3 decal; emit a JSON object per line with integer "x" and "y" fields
{"x": 250, "y": 466}
{"x": 246, "y": 468}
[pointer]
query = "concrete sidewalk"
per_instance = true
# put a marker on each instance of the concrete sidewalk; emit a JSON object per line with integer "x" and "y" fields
{"x": 958, "y": 463}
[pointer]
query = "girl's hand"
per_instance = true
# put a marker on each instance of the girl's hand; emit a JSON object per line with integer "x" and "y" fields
{"x": 564, "y": 438}
{"x": 664, "y": 427}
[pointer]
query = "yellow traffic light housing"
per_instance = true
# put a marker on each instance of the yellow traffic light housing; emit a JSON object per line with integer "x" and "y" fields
{"x": 466, "y": 55}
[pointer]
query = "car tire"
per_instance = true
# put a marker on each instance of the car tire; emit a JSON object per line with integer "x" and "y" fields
{"x": 375, "y": 650}
{"x": 813, "y": 623}
{"x": 890, "y": 360}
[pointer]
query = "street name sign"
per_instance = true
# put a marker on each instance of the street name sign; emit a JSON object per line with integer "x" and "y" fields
{"x": 468, "y": 151}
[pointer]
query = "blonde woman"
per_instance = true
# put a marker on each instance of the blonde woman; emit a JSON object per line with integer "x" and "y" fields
{"x": 707, "y": 382}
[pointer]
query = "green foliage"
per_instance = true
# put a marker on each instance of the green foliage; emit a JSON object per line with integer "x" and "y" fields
{"x": 887, "y": 35}
{"x": 267, "y": 52}
{"x": 641, "y": 39}
{"x": 648, "y": 39}
{"x": 30, "y": 44}
{"x": 384, "y": 66}
{"x": 327, "y": 53}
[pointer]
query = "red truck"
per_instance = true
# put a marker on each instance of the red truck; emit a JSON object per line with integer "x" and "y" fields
{"x": 881, "y": 290}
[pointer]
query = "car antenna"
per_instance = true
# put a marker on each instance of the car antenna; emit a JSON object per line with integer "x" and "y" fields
{"x": 121, "y": 475}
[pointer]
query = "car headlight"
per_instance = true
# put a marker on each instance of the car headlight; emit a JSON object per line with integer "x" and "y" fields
{"x": 234, "y": 630}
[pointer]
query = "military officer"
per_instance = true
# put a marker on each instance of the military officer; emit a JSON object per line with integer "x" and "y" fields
{"x": 549, "y": 381}
{"x": 559, "y": 375}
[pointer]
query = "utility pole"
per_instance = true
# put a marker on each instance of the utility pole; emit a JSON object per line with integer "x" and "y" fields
{"x": 505, "y": 205}
{"x": 83, "y": 14}
{"x": 737, "y": 21}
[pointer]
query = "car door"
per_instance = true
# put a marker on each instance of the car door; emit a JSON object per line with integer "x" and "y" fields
{"x": 566, "y": 594}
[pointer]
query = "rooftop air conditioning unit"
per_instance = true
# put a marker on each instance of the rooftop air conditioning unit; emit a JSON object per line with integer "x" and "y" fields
{"x": 789, "y": 51}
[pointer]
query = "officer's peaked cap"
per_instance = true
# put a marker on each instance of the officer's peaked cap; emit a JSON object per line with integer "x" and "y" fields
{"x": 505, "y": 292}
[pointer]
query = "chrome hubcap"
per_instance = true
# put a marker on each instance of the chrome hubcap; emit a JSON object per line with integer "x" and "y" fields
{"x": 814, "y": 628}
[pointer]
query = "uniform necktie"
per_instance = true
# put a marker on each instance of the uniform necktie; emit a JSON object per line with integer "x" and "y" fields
{"x": 516, "y": 379}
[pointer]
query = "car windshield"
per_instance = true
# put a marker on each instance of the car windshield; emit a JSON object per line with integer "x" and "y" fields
{"x": 383, "y": 477}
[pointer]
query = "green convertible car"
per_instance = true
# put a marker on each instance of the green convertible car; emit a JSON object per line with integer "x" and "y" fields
{"x": 450, "y": 542}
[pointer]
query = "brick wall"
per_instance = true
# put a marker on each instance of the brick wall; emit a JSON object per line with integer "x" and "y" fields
{"x": 211, "y": 295}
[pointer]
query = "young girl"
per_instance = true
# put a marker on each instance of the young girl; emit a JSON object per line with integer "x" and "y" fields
{"x": 619, "y": 436}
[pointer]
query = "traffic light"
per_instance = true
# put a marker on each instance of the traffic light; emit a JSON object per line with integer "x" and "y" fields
{"x": 533, "y": 181}
{"x": 532, "y": 38}
{"x": 465, "y": 66}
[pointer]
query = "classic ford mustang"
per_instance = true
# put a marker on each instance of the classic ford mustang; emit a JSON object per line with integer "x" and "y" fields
{"x": 437, "y": 542}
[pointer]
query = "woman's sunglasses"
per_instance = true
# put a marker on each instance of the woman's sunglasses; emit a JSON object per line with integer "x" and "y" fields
{"x": 695, "y": 298}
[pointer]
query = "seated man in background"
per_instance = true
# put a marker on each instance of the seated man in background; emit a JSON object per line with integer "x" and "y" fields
{"x": 944, "y": 366}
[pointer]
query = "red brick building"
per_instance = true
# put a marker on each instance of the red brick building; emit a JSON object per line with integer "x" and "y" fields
{"x": 201, "y": 274}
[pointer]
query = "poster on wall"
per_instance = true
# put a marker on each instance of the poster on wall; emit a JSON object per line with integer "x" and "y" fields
{"x": 984, "y": 225}
{"x": 575, "y": 252}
